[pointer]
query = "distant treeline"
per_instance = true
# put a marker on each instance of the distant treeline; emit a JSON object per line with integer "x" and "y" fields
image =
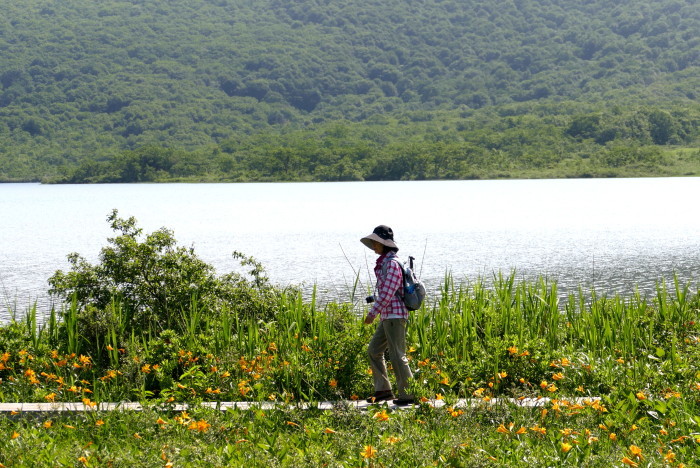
{"x": 449, "y": 145}
{"x": 86, "y": 85}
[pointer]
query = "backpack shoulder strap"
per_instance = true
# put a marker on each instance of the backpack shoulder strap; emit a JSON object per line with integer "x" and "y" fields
{"x": 385, "y": 264}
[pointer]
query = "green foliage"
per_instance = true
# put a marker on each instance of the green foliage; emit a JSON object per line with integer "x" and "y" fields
{"x": 474, "y": 145}
{"x": 639, "y": 355}
{"x": 150, "y": 283}
{"x": 480, "y": 436}
{"x": 130, "y": 91}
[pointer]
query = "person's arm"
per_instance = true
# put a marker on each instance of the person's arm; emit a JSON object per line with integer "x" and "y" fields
{"x": 386, "y": 290}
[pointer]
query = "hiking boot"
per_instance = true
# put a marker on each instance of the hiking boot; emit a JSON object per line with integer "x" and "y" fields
{"x": 381, "y": 395}
{"x": 404, "y": 401}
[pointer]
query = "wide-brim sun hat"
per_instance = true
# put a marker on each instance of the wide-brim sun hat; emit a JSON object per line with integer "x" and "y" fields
{"x": 382, "y": 234}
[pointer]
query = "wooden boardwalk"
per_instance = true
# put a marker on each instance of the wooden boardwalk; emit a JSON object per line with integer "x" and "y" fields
{"x": 36, "y": 408}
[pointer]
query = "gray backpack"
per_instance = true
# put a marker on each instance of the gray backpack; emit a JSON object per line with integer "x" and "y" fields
{"x": 413, "y": 292}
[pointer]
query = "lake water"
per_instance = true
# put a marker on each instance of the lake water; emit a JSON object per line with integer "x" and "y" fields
{"x": 612, "y": 234}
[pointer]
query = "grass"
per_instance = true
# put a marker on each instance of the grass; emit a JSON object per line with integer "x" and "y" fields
{"x": 641, "y": 355}
{"x": 481, "y": 436}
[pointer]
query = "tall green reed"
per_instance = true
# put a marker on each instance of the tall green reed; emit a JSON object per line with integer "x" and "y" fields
{"x": 469, "y": 325}
{"x": 474, "y": 316}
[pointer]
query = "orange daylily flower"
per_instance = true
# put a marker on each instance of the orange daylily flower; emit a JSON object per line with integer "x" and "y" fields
{"x": 539, "y": 430}
{"x": 636, "y": 451}
{"x": 503, "y": 430}
{"x": 368, "y": 452}
{"x": 87, "y": 402}
{"x": 200, "y": 426}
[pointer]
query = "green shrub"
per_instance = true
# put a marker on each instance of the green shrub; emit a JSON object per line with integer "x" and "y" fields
{"x": 148, "y": 283}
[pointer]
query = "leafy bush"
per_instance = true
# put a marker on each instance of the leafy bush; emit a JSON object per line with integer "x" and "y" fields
{"x": 148, "y": 283}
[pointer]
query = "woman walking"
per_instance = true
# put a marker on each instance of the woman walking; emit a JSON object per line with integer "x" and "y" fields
{"x": 393, "y": 316}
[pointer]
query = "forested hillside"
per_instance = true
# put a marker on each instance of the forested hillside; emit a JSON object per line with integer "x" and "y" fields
{"x": 138, "y": 90}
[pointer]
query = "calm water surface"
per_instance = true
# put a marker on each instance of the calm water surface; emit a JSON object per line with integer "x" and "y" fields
{"x": 613, "y": 234}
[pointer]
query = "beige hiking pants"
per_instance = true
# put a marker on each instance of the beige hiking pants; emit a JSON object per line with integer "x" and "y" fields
{"x": 390, "y": 336}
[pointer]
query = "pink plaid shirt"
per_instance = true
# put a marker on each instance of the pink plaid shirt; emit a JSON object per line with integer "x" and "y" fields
{"x": 386, "y": 303}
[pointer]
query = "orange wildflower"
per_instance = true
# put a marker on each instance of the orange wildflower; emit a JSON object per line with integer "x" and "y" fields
{"x": 87, "y": 402}
{"x": 636, "y": 452}
{"x": 368, "y": 452}
{"x": 200, "y": 426}
{"x": 503, "y": 430}
{"x": 539, "y": 430}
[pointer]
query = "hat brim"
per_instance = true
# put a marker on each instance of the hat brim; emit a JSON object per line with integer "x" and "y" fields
{"x": 367, "y": 240}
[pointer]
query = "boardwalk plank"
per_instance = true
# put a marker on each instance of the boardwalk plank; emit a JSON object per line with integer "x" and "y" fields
{"x": 19, "y": 408}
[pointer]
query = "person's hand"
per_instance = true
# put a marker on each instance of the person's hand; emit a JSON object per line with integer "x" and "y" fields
{"x": 369, "y": 320}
